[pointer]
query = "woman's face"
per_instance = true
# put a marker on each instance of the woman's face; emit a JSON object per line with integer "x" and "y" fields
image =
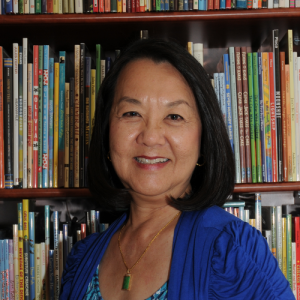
{"x": 155, "y": 130}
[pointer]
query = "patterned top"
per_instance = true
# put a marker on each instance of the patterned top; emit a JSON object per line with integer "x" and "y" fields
{"x": 93, "y": 290}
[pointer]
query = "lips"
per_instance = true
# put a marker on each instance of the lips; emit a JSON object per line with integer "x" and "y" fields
{"x": 151, "y": 161}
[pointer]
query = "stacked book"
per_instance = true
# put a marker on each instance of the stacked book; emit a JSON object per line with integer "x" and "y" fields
{"x": 28, "y": 268}
{"x": 259, "y": 95}
{"x": 134, "y": 6}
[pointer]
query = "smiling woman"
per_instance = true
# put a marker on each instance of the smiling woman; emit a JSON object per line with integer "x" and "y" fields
{"x": 160, "y": 149}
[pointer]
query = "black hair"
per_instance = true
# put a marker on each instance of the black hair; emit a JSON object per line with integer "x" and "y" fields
{"x": 211, "y": 183}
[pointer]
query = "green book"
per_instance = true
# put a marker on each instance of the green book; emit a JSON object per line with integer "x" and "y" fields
{"x": 38, "y": 6}
{"x": 113, "y": 5}
{"x": 257, "y": 118}
{"x": 21, "y": 6}
{"x": 289, "y": 249}
{"x": 98, "y": 68}
{"x": 273, "y": 229}
{"x": 157, "y": 5}
{"x": 251, "y": 117}
{"x": 40, "y": 122}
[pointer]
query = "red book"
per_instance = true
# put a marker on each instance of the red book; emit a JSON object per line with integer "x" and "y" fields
{"x": 216, "y": 4}
{"x": 132, "y": 5}
{"x": 228, "y": 4}
{"x": 141, "y": 7}
{"x": 137, "y": 5}
{"x": 50, "y": 6}
{"x": 210, "y": 5}
{"x": 35, "y": 110}
{"x": 83, "y": 231}
{"x": 296, "y": 223}
{"x": 2, "y": 184}
{"x": 107, "y": 5}
{"x": 101, "y": 6}
{"x": 273, "y": 119}
{"x": 95, "y": 6}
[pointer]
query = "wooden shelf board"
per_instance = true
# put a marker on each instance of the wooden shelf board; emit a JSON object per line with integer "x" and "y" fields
{"x": 85, "y": 193}
{"x": 150, "y": 16}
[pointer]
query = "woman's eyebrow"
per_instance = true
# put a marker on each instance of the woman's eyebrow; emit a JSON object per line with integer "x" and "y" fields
{"x": 129, "y": 100}
{"x": 176, "y": 103}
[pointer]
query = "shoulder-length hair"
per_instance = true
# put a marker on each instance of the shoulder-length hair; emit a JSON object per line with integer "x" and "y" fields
{"x": 211, "y": 183}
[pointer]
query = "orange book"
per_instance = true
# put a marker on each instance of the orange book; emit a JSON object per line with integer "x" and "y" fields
{"x": 273, "y": 119}
{"x": 283, "y": 116}
{"x": 2, "y": 184}
{"x": 288, "y": 123}
{"x": 142, "y": 5}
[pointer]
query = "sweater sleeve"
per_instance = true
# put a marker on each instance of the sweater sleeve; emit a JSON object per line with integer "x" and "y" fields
{"x": 74, "y": 258}
{"x": 243, "y": 267}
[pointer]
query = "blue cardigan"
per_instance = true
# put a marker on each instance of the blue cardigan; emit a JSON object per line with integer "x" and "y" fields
{"x": 215, "y": 256}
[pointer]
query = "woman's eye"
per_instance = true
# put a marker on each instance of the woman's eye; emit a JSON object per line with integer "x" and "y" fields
{"x": 131, "y": 114}
{"x": 175, "y": 117}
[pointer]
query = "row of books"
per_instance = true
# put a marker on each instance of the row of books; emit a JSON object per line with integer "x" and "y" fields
{"x": 259, "y": 95}
{"x": 46, "y": 120}
{"x": 281, "y": 230}
{"x": 132, "y": 6}
{"x": 29, "y": 269}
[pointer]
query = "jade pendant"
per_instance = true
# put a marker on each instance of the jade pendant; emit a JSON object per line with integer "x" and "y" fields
{"x": 127, "y": 282}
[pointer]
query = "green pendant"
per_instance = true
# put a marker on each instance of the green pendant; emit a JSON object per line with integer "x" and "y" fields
{"x": 127, "y": 282}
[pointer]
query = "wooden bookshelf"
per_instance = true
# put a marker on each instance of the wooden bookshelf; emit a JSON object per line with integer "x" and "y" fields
{"x": 85, "y": 193}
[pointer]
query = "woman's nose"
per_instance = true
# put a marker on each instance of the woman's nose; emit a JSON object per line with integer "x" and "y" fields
{"x": 152, "y": 134}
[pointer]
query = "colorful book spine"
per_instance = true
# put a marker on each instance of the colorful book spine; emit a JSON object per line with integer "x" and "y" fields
{"x": 273, "y": 228}
{"x": 223, "y": 96}
{"x": 296, "y": 225}
{"x": 67, "y": 136}
{"x": 47, "y": 246}
{"x": 16, "y": 260}
{"x": 37, "y": 260}
{"x": 294, "y": 269}
{"x": 257, "y": 118}
{"x": 25, "y": 100}
{"x": 40, "y": 122}
{"x": 51, "y": 120}
{"x": 26, "y": 248}
{"x": 11, "y": 269}
{"x": 71, "y": 154}
{"x": 61, "y": 125}
{"x": 88, "y": 63}
{"x": 235, "y": 119}
{"x": 20, "y": 91}
{"x": 29, "y": 125}
{"x": 6, "y": 268}
{"x": 9, "y": 7}
{"x": 16, "y": 114}
{"x": 2, "y": 170}
{"x": 45, "y": 177}
{"x": 267, "y": 115}
{"x": 35, "y": 116}
{"x": 61, "y": 255}
{"x": 278, "y": 103}
{"x": 273, "y": 119}
{"x": 56, "y": 253}
{"x": 31, "y": 254}
{"x": 20, "y": 251}
{"x": 2, "y": 281}
{"x": 83, "y": 231}
{"x": 297, "y": 100}
{"x": 289, "y": 248}
{"x": 258, "y": 216}
{"x": 279, "y": 236}
{"x": 55, "y": 126}
{"x": 284, "y": 266}
{"x": 251, "y": 117}
{"x": 9, "y": 121}
{"x": 43, "y": 270}
{"x": 51, "y": 274}
{"x": 65, "y": 243}
{"x": 228, "y": 99}
{"x": 288, "y": 124}
{"x": 246, "y": 113}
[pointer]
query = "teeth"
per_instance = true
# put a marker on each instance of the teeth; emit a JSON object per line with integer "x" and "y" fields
{"x": 150, "y": 161}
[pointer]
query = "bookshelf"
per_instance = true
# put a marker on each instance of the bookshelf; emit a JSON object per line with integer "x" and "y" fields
{"x": 214, "y": 29}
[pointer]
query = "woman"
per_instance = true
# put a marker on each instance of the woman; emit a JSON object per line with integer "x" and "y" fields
{"x": 160, "y": 148}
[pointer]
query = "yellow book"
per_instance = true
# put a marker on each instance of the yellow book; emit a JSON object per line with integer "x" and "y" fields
{"x": 190, "y": 47}
{"x": 55, "y": 133}
{"x": 252, "y": 222}
{"x": 55, "y": 6}
{"x": 67, "y": 133}
{"x": 93, "y": 101}
{"x": 292, "y": 101}
{"x": 25, "y": 218}
{"x": 119, "y": 6}
{"x": 20, "y": 251}
{"x": 284, "y": 265}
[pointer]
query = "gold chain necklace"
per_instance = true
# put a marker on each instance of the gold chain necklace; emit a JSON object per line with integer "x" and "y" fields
{"x": 127, "y": 281}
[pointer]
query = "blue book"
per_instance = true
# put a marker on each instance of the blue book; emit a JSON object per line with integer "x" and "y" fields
{"x": 217, "y": 88}
{"x": 6, "y": 267}
{"x": 3, "y": 7}
{"x": 45, "y": 117}
{"x": 61, "y": 116}
{"x": 65, "y": 242}
{"x": 222, "y": 4}
{"x": 31, "y": 228}
{"x": 162, "y": 5}
{"x": 167, "y": 5}
{"x": 51, "y": 274}
{"x": 228, "y": 99}
{"x": 202, "y": 5}
{"x": 262, "y": 122}
{"x": 8, "y": 6}
{"x": 20, "y": 102}
{"x": 185, "y": 5}
{"x": 47, "y": 229}
{"x": 2, "y": 282}
{"x": 56, "y": 229}
{"x": 241, "y": 4}
{"x": 51, "y": 124}
{"x": 222, "y": 96}
{"x": 97, "y": 214}
{"x": 26, "y": 269}
{"x": 107, "y": 64}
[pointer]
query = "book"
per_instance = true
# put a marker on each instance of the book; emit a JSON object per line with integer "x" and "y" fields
{"x": 284, "y": 265}
{"x": 274, "y": 231}
{"x": 2, "y": 276}
{"x": 51, "y": 274}
{"x": 25, "y": 100}
{"x": 71, "y": 145}
{"x": 40, "y": 117}
{"x": 246, "y": 113}
{"x": 20, "y": 251}
{"x": 47, "y": 248}
{"x": 43, "y": 270}
{"x": 61, "y": 119}
{"x": 31, "y": 254}
{"x": 11, "y": 269}
{"x": 55, "y": 124}
{"x": 294, "y": 268}
{"x": 289, "y": 248}
{"x": 258, "y": 217}
{"x": 223, "y": 97}
{"x": 98, "y": 68}
{"x": 65, "y": 243}
{"x": 288, "y": 124}
{"x": 279, "y": 236}
{"x": 20, "y": 105}
{"x": 6, "y": 268}
{"x": 296, "y": 225}
{"x": 51, "y": 121}
{"x": 45, "y": 146}
{"x": 30, "y": 125}
{"x": 37, "y": 260}
{"x": 61, "y": 256}
{"x": 16, "y": 259}
{"x": 67, "y": 135}
{"x": 92, "y": 103}
{"x": 2, "y": 171}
